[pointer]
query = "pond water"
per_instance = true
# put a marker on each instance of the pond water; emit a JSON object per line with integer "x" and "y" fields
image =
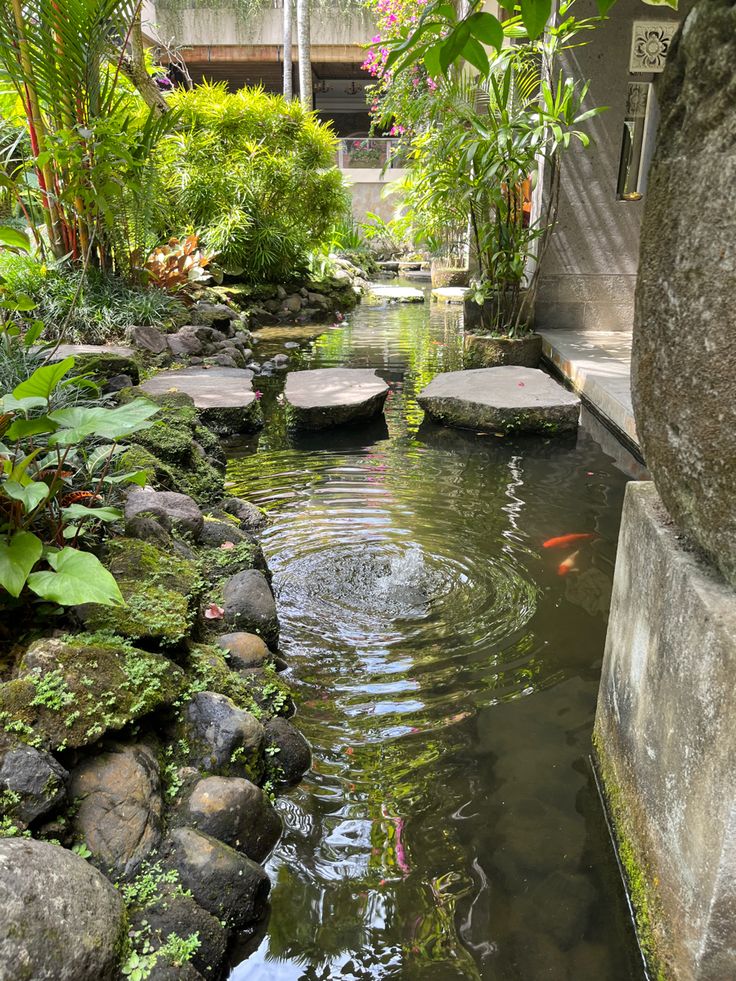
{"x": 445, "y": 674}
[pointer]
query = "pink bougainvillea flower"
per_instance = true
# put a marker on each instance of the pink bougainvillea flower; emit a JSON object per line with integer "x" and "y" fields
{"x": 258, "y": 395}
{"x": 214, "y": 612}
{"x": 226, "y": 546}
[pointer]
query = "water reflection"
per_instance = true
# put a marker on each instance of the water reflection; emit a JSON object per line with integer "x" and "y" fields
{"x": 446, "y": 676}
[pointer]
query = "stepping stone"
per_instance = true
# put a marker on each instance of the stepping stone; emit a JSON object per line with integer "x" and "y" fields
{"x": 224, "y": 396}
{"x": 423, "y": 275}
{"x": 396, "y": 294}
{"x": 508, "y": 399}
{"x": 327, "y": 397}
{"x": 450, "y": 294}
{"x": 67, "y": 350}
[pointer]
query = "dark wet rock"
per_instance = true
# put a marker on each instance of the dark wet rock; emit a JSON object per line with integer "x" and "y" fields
{"x": 61, "y": 919}
{"x": 222, "y": 737}
{"x": 226, "y": 361}
{"x": 184, "y": 343}
{"x": 160, "y": 588}
{"x": 173, "y": 511}
{"x": 147, "y": 529}
{"x": 172, "y": 911}
{"x": 117, "y": 383}
{"x": 149, "y": 339}
{"x": 221, "y": 880}
{"x": 249, "y": 605}
{"x": 245, "y": 650}
{"x": 509, "y": 399}
{"x": 216, "y": 533}
{"x": 234, "y": 811}
{"x": 36, "y": 781}
{"x": 294, "y": 756}
{"x": 684, "y": 356}
{"x": 94, "y": 685}
{"x": 251, "y": 517}
{"x": 120, "y": 812}
{"x": 324, "y": 397}
{"x": 166, "y": 970}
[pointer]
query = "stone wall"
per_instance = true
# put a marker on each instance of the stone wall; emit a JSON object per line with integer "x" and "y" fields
{"x": 589, "y": 273}
{"x": 666, "y": 743}
{"x": 367, "y": 192}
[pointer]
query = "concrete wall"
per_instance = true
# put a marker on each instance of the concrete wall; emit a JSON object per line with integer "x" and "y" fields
{"x": 367, "y": 188}
{"x": 589, "y": 273}
{"x": 219, "y": 25}
{"x": 666, "y": 740}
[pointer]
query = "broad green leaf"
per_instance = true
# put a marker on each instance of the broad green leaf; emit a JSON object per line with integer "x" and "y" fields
{"x": 432, "y": 61}
{"x": 43, "y": 380}
{"x": 30, "y": 495}
{"x": 22, "y": 303}
{"x": 78, "y": 577}
{"x": 474, "y": 52}
{"x": 15, "y": 239}
{"x": 18, "y": 472}
{"x": 22, "y": 428}
{"x": 78, "y": 512}
{"x": 9, "y": 403}
{"x": 453, "y": 45}
{"x": 78, "y": 422}
{"x": 33, "y": 333}
{"x": 535, "y": 14}
{"x": 487, "y": 29}
{"x": 658, "y": 3}
{"x": 605, "y": 5}
{"x": 17, "y": 558}
{"x": 135, "y": 477}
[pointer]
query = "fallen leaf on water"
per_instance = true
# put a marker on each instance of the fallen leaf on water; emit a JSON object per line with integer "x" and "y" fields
{"x": 214, "y": 612}
{"x": 349, "y": 750}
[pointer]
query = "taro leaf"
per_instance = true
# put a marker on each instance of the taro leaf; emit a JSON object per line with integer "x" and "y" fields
{"x": 78, "y": 512}
{"x": 132, "y": 477}
{"x": 9, "y": 403}
{"x": 14, "y": 239}
{"x": 30, "y": 427}
{"x": 43, "y": 380}
{"x": 79, "y": 422}
{"x": 21, "y": 302}
{"x": 17, "y": 558}
{"x": 79, "y": 577}
{"x": 30, "y": 495}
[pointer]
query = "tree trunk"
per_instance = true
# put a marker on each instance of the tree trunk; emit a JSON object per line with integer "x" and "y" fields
{"x": 305, "y": 53}
{"x": 134, "y": 69}
{"x": 288, "y": 67}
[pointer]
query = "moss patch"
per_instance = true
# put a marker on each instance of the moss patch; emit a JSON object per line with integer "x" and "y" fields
{"x": 71, "y": 690}
{"x": 160, "y": 591}
{"x": 641, "y": 885}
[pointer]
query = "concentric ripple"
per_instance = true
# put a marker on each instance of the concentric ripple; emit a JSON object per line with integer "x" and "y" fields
{"x": 445, "y": 674}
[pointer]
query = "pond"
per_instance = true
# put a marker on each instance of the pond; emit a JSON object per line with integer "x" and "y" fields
{"x": 445, "y": 667}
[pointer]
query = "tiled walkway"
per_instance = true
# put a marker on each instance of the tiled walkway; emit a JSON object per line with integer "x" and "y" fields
{"x": 598, "y": 366}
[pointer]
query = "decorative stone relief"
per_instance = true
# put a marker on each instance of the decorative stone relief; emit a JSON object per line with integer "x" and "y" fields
{"x": 650, "y": 43}
{"x": 636, "y": 100}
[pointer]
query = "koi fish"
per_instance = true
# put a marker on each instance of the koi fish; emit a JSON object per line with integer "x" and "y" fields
{"x": 568, "y": 565}
{"x": 563, "y": 540}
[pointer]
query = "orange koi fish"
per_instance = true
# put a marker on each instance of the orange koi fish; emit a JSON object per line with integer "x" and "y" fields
{"x": 568, "y": 565}
{"x": 563, "y": 540}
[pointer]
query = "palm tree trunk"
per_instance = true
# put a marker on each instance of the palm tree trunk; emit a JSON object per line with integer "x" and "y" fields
{"x": 288, "y": 68}
{"x": 305, "y": 53}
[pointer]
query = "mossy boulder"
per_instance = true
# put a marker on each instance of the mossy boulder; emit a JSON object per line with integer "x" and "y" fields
{"x": 103, "y": 366}
{"x": 72, "y": 690}
{"x": 160, "y": 591}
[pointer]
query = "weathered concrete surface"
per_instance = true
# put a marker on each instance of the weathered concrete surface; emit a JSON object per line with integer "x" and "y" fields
{"x": 509, "y": 399}
{"x": 598, "y": 366}
{"x": 327, "y": 397}
{"x": 488, "y": 351}
{"x": 71, "y": 350}
{"x": 224, "y": 396}
{"x": 396, "y": 294}
{"x": 666, "y": 741}
{"x": 684, "y": 356}
{"x": 450, "y": 294}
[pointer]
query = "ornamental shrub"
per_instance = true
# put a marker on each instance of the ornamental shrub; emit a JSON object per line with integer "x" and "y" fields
{"x": 253, "y": 175}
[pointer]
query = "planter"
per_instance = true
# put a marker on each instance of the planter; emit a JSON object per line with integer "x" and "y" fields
{"x": 443, "y": 276}
{"x": 484, "y": 351}
{"x": 496, "y": 313}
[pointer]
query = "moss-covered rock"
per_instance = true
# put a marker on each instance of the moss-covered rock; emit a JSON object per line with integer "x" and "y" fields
{"x": 72, "y": 690}
{"x": 160, "y": 591}
{"x": 103, "y": 366}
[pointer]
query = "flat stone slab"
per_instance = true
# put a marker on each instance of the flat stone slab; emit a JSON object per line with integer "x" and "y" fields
{"x": 507, "y": 399}
{"x": 450, "y": 294}
{"x": 70, "y": 350}
{"x": 325, "y": 397}
{"x": 224, "y": 396}
{"x": 396, "y": 294}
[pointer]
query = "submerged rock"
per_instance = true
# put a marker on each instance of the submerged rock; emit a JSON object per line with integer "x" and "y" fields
{"x": 120, "y": 812}
{"x": 35, "y": 780}
{"x": 249, "y": 605}
{"x": 61, "y": 919}
{"x": 294, "y": 756}
{"x": 222, "y": 737}
{"x": 234, "y": 811}
{"x": 221, "y": 880}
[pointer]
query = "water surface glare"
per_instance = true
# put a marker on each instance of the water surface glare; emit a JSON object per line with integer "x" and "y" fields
{"x": 446, "y": 675}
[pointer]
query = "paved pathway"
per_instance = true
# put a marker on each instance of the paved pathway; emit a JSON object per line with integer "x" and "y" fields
{"x": 598, "y": 366}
